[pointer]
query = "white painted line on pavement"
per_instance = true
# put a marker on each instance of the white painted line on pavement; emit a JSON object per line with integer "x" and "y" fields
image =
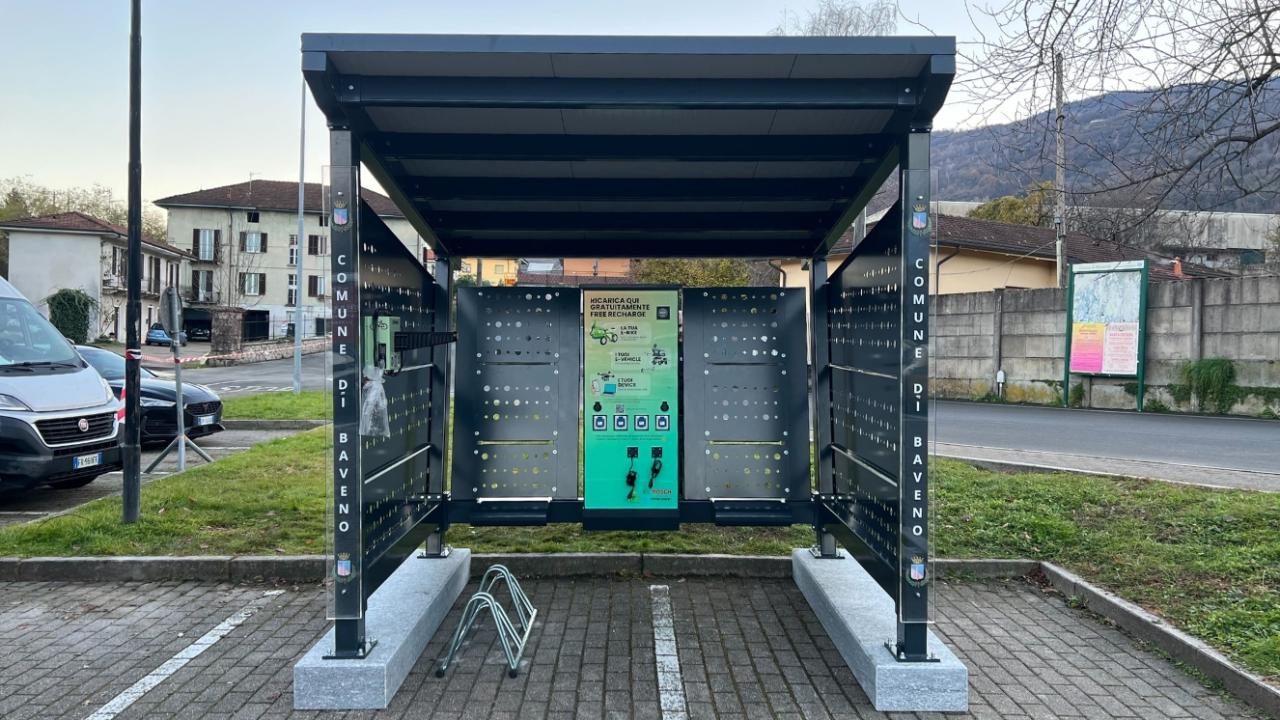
{"x": 666, "y": 656}
{"x": 133, "y": 693}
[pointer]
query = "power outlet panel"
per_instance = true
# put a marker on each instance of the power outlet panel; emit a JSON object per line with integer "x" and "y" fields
{"x": 631, "y": 392}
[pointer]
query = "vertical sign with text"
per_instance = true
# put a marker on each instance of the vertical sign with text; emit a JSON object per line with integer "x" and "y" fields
{"x": 348, "y": 558}
{"x": 913, "y": 477}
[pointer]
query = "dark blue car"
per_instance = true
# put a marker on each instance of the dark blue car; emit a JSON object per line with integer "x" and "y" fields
{"x": 157, "y": 335}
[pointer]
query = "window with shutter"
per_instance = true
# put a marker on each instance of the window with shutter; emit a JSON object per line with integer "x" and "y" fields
{"x": 195, "y": 242}
{"x": 311, "y": 286}
{"x": 262, "y": 283}
{"x": 264, "y": 243}
{"x": 217, "y": 245}
{"x": 243, "y": 240}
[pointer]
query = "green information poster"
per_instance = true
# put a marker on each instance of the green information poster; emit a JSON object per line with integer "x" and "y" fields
{"x": 632, "y": 392}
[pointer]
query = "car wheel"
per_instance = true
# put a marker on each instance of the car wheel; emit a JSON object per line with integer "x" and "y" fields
{"x": 73, "y": 482}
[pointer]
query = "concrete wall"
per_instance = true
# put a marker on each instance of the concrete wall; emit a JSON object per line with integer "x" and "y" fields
{"x": 43, "y": 262}
{"x": 1236, "y": 318}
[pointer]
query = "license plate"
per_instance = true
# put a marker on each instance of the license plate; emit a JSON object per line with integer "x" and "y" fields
{"x": 202, "y": 420}
{"x": 86, "y": 461}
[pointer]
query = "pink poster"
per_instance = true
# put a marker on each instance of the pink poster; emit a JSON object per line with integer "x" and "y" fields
{"x": 1120, "y": 349}
{"x": 1087, "y": 343}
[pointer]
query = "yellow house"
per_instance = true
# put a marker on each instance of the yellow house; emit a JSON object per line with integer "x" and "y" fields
{"x": 971, "y": 255}
{"x": 489, "y": 271}
{"x": 598, "y": 267}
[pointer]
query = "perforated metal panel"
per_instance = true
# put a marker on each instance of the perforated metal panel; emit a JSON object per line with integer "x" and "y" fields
{"x": 396, "y": 468}
{"x": 865, "y": 326}
{"x": 745, "y": 399}
{"x": 516, "y": 410}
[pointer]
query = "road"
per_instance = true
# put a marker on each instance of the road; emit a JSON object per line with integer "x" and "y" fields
{"x": 269, "y": 376}
{"x": 42, "y": 502}
{"x": 1203, "y": 444}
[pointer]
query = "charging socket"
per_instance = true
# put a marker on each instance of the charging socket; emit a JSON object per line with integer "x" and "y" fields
{"x": 655, "y": 451}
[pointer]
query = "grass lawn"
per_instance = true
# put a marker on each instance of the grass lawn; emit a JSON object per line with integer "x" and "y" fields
{"x": 306, "y": 405}
{"x": 1208, "y": 560}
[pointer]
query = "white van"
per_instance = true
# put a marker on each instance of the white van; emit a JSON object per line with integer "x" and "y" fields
{"x": 57, "y": 415}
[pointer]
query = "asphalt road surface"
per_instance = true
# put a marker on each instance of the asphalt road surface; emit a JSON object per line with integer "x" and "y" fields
{"x": 260, "y": 377}
{"x": 1210, "y": 442}
{"x": 34, "y": 504}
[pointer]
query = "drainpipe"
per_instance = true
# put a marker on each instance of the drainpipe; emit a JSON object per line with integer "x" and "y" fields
{"x": 781, "y": 272}
{"x": 937, "y": 283}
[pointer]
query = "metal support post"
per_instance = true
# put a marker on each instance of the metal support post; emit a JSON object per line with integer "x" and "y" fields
{"x": 820, "y": 403}
{"x": 180, "y": 442}
{"x": 441, "y": 384}
{"x": 131, "y": 494}
{"x": 348, "y": 481}
{"x": 914, "y": 571}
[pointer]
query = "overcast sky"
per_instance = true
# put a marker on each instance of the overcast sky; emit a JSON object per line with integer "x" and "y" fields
{"x": 221, "y": 80}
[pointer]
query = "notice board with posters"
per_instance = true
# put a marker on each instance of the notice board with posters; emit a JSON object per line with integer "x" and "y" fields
{"x": 631, "y": 389}
{"x": 1106, "y": 322}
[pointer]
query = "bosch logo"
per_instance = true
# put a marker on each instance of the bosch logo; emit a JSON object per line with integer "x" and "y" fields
{"x": 83, "y": 425}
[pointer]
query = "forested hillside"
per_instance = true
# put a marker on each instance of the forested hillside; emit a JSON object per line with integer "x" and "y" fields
{"x": 996, "y": 160}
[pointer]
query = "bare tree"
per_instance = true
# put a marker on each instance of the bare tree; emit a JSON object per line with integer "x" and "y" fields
{"x": 832, "y": 18}
{"x": 1203, "y": 132}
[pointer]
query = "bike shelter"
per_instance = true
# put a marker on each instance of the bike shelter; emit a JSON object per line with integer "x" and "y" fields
{"x": 686, "y": 405}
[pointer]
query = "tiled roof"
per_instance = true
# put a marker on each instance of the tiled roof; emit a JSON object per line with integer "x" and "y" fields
{"x": 952, "y": 231}
{"x": 280, "y": 195}
{"x": 79, "y": 222}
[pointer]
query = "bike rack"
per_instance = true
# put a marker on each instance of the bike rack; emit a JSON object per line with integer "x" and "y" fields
{"x": 513, "y": 641}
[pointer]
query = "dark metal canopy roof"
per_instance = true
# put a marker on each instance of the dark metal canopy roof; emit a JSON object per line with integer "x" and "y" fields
{"x": 570, "y": 146}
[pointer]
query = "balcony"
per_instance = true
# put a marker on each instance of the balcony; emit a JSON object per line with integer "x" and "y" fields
{"x": 201, "y": 297}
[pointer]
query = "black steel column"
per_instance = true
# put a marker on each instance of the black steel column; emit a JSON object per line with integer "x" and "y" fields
{"x": 441, "y": 376}
{"x": 132, "y": 489}
{"x": 348, "y": 508}
{"x": 914, "y": 571}
{"x": 820, "y": 359}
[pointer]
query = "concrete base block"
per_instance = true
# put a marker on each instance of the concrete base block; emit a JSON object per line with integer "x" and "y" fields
{"x": 859, "y": 617}
{"x": 403, "y": 614}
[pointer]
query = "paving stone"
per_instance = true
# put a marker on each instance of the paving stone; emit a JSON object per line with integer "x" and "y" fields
{"x": 748, "y": 648}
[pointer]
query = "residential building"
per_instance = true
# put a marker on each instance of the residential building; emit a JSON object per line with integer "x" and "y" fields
{"x": 1236, "y": 242}
{"x": 970, "y": 255}
{"x": 75, "y": 250}
{"x": 574, "y": 271}
{"x": 243, "y": 239}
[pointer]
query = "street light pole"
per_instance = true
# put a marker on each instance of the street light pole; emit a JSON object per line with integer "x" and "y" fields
{"x": 297, "y": 254}
{"x": 1060, "y": 175}
{"x": 132, "y": 490}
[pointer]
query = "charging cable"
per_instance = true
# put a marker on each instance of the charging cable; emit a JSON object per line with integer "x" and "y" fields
{"x": 654, "y": 470}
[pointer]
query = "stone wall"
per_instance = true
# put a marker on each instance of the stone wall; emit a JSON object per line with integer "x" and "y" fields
{"x": 279, "y": 349}
{"x": 1234, "y": 318}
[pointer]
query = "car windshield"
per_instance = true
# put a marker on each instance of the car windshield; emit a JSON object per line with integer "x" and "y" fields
{"x": 28, "y": 341}
{"x": 157, "y": 327}
{"x": 108, "y": 364}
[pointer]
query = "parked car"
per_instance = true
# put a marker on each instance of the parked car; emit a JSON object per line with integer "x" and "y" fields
{"x": 157, "y": 335}
{"x": 199, "y": 332}
{"x": 203, "y": 407}
{"x": 57, "y": 415}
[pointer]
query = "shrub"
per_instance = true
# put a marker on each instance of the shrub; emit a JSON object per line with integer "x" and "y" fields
{"x": 1076, "y": 398}
{"x": 69, "y": 312}
{"x": 1155, "y": 405}
{"x": 1213, "y": 382}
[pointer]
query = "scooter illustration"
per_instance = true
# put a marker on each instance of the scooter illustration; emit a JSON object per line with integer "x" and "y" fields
{"x": 604, "y": 335}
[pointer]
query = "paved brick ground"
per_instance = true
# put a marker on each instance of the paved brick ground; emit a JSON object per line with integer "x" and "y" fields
{"x": 748, "y": 649}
